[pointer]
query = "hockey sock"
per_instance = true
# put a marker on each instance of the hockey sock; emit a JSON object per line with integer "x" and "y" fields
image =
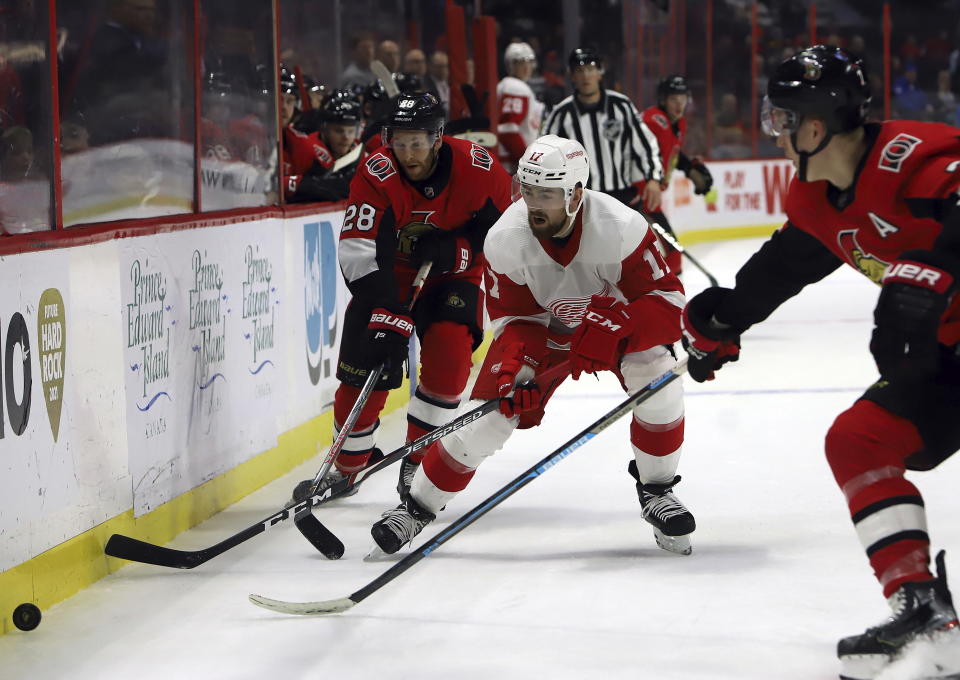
{"x": 426, "y": 413}
{"x": 866, "y": 447}
{"x": 359, "y": 445}
{"x": 656, "y": 449}
{"x": 440, "y": 479}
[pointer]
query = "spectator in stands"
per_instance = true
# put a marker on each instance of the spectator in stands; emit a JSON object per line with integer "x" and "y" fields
{"x": 944, "y": 101}
{"x": 415, "y": 62}
{"x": 388, "y": 52}
{"x": 729, "y": 134}
{"x": 358, "y": 71}
{"x": 909, "y": 100}
{"x": 858, "y": 45}
{"x": 74, "y": 136}
{"x": 16, "y": 155}
{"x": 438, "y": 79}
{"x": 554, "y": 80}
{"x": 910, "y": 51}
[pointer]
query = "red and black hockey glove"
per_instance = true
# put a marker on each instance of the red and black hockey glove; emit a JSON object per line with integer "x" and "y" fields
{"x": 449, "y": 252}
{"x": 916, "y": 292}
{"x": 388, "y": 336}
{"x": 709, "y": 343}
{"x": 601, "y": 337}
{"x": 515, "y": 375}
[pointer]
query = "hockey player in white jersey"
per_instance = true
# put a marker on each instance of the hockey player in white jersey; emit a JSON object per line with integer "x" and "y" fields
{"x": 573, "y": 275}
{"x": 520, "y": 111}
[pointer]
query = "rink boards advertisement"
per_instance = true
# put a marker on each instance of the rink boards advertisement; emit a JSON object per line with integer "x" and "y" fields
{"x": 135, "y": 370}
{"x": 748, "y": 194}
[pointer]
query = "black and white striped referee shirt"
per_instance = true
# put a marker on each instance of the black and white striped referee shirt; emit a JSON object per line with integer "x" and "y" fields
{"x": 621, "y": 148}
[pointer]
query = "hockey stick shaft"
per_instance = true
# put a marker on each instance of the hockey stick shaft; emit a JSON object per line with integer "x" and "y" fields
{"x": 135, "y": 550}
{"x": 458, "y": 525}
{"x": 675, "y": 244}
{"x": 365, "y": 393}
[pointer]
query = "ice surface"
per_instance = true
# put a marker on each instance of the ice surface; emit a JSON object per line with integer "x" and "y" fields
{"x": 563, "y": 580}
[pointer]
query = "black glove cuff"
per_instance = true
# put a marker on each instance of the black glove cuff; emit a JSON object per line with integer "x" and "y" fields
{"x": 702, "y": 313}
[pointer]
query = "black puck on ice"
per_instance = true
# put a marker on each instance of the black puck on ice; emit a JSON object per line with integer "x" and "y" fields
{"x": 26, "y": 616}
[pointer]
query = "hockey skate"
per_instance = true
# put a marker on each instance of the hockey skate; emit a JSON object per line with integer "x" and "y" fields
{"x": 398, "y": 527}
{"x": 407, "y": 470}
{"x": 672, "y": 522}
{"x": 922, "y": 612}
{"x": 301, "y": 491}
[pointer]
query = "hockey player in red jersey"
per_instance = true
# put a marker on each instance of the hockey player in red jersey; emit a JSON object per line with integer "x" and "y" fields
{"x": 337, "y": 150}
{"x": 573, "y": 275}
{"x": 666, "y": 121}
{"x": 421, "y": 197}
{"x": 520, "y": 112}
{"x": 882, "y": 198}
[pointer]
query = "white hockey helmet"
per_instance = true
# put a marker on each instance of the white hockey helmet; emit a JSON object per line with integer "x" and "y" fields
{"x": 518, "y": 51}
{"x": 553, "y": 162}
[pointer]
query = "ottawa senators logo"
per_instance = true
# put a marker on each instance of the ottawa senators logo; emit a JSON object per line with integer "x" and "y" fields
{"x": 323, "y": 154}
{"x": 661, "y": 120}
{"x": 896, "y": 151}
{"x": 408, "y": 235}
{"x": 380, "y": 166}
{"x": 455, "y": 301}
{"x": 869, "y": 265}
{"x": 480, "y": 157}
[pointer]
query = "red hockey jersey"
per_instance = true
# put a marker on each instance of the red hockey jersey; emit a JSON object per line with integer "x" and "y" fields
{"x": 467, "y": 191}
{"x": 300, "y": 152}
{"x": 669, "y": 138}
{"x": 910, "y": 170}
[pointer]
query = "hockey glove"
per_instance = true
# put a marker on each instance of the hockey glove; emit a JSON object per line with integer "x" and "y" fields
{"x": 709, "y": 343}
{"x": 600, "y": 339}
{"x": 516, "y": 375}
{"x": 916, "y": 292}
{"x": 388, "y": 335}
{"x": 449, "y": 252}
{"x": 700, "y": 176}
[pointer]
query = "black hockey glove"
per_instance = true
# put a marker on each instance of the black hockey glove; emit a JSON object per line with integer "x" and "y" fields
{"x": 449, "y": 252}
{"x": 700, "y": 176}
{"x": 709, "y": 343}
{"x": 916, "y": 292}
{"x": 388, "y": 335}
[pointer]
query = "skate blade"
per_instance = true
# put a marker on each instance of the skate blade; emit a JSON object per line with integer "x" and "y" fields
{"x": 862, "y": 666}
{"x": 675, "y": 544}
{"x": 376, "y": 554}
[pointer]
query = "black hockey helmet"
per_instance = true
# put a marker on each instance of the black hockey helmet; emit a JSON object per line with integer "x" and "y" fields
{"x": 823, "y": 81}
{"x": 583, "y": 56}
{"x": 341, "y": 107}
{"x": 288, "y": 81}
{"x": 408, "y": 83}
{"x": 672, "y": 84}
{"x": 415, "y": 112}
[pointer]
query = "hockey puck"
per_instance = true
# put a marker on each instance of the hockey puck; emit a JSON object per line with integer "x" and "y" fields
{"x": 26, "y": 616}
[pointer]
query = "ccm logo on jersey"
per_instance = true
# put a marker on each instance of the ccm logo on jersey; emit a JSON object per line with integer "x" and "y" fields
{"x": 602, "y": 321}
{"x": 481, "y": 158}
{"x": 896, "y": 151}
{"x": 913, "y": 272}
{"x": 380, "y": 166}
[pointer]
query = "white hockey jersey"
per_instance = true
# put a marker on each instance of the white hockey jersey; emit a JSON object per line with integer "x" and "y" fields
{"x": 520, "y": 115}
{"x": 611, "y": 251}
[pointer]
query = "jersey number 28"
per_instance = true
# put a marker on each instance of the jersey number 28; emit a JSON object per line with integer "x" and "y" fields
{"x": 364, "y": 216}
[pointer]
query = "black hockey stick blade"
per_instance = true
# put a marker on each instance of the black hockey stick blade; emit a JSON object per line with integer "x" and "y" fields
{"x": 342, "y": 604}
{"x": 325, "y": 540}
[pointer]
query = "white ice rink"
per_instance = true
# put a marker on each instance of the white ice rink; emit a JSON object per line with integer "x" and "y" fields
{"x": 563, "y": 580}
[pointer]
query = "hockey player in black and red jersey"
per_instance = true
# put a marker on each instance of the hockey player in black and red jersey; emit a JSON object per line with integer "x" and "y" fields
{"x": 882, "y": 198}
{"x": 421, "y": 197}
{"x": 573, "y": 275}
{"x": 666, "y": 121}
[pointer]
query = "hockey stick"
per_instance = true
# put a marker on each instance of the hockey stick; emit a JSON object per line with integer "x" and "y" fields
{"x": 327, "y": 542}
{"x": 344, "y": 603}
{"x": 308, "y": 525}
{"x": 385, "y": 77}
{"x": 135, "y": 550}
{"x": 675, "y": 244}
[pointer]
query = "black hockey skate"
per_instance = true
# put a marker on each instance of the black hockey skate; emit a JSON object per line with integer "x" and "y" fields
{"x": 301, "y": 491}
{"x": 672, "y": 522}
{"x": 921, "y": 610}
{"x": 407, "y": 470}
{"x": 398, "y": 527}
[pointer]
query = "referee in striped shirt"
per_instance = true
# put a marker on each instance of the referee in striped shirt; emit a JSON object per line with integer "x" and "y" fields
{"x": 621, "y": 148}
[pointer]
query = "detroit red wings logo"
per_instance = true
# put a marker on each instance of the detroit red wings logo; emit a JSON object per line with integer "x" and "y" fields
{"x": 869, "y": 265}
{"x": 571, "y": 310}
